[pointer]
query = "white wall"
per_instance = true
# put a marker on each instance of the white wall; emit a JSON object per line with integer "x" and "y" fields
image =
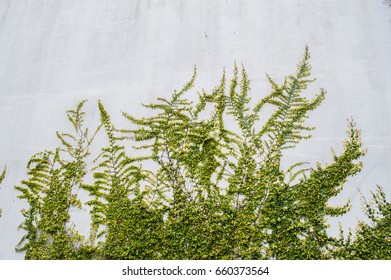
{"x": 54, "y": 53}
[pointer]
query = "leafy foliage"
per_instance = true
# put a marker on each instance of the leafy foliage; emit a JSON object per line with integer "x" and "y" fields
{"x": 2, "y": 176}
{"x": 209, "y": 185}
{"x": 118, "y": 205}
{"x": 372, "y": 241}
{"x": 49, "y": 192}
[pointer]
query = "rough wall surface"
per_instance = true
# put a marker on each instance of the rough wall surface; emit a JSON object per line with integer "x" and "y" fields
{"x": 54, "y": 53}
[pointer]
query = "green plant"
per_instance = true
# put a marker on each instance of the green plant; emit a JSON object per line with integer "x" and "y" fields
{"x": 119, "y": 213}
{"x": 49, "y": 192}
{"x": 225, "y": 191}
{"x": 209, "y": 183}
{"x": 2, "y": 176}
{"x": 372, "y": 239}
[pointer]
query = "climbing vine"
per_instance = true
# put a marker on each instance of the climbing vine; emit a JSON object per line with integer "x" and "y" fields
{"x": 209, "y": 184}
{"x": 2, "y": 176}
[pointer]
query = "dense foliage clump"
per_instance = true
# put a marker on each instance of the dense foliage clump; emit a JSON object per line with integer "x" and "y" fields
{"x": 209, "y": 184}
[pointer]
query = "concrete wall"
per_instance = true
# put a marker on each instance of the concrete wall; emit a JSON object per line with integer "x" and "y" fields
{"x": 54, "y": 53}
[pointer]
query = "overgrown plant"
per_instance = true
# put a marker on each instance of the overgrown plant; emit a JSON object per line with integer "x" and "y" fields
{"x": 371, "y": 241}
{"x": 2, "y": 176}
{"x": 49, "y": 192}
{"x": 209, "y": 184}
{"x": 226, "y": 192}
{"x": 119, "y": 213}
